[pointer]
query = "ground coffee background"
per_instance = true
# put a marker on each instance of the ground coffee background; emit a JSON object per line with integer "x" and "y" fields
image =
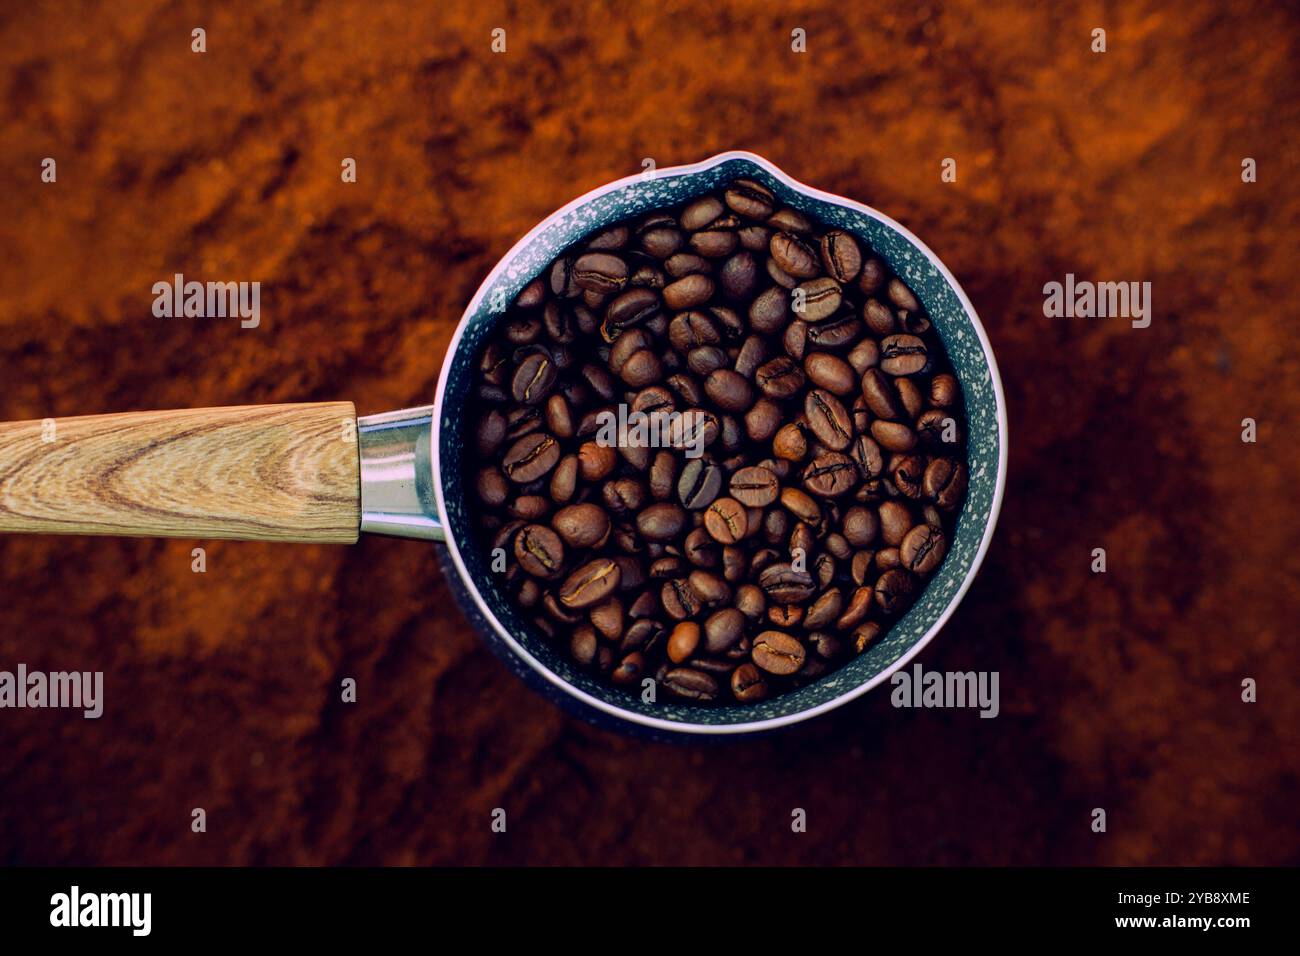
{"x": 1119, "y": 691}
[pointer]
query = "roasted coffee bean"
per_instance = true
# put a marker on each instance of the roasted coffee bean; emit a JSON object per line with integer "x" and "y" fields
{"x": 492, "y": 487}
{"x": 902, "y": 296}
{"x": 782, "y": 584}
{"x": 841, "y": 256}
{"x": 701, "y": 212}
{"x": 491, "y": 433}
{"x": 600, "y": 272}
{"x": 799, "y": 504}
{"x": 750, "y": 199}
{"x": 755, "y": 238}
{"x": 678, "y": 600}
{"x": 628, "y": 342}
{"x": 739, "y": 276}
{"x": 750, "y": 601}
{"x": 785, "y": 615}
{"x": 726, "y": 521}
{"x": 824, "y": 570}
{"x": 669, "y": 566}
{"x": 700, "y": 484}
{"x": 903, "y": 354}
{"x": 529, "y": 507}
{"x": 596, "y": 461}
{"x": 914, "y": 323}
{"x": 607, "y": 618}
{"x": 825, "y": 610}
{"x": 583, "y": 645}
{"x": 561, "y": 278}
{"x": 861, "y": 566}
{"x": 922, "y": 549}
{"x": 859, "y": 607}
{"x": 706, "y": 359}
{"x": 641, "y": 369}
{"x": 709, "y": 588}
{"x": 645, "y": 635}
{"x": 873, "y": 276}
{"x": 629, "y": 669}
{"x": 688, "y": 292}
{"x": 662, "y": 521}
{"x": 685, "y": 264}
{"x": 615, "y": 237}
{"x": 910, "y": 396}
{"x": 753, "y": 353}
{"x": 864, "y": 355}
{"x": 790, "y": 220}
{"x": 628, "y": 309}
{"x": 762, "y": 421}
{"x": 816, "y": 299}
{"x": 693, "y": 428}
{"x": 662, "y": 241}
{"x": 828, "y": 419}
{"x": 834, "y": 333}
{"x": 780, "y": 378}
{"x": 888, "y": 558}
{"x": 879, "y": 318}
{"x": 733, "y": 563}
{"x": 790, "y": 443}
{"x": 722, "y": 629}
{"x": 531, "y": 457}
{"x": 559, "y": 419}
{"x": 906, "y": 472}
{"x": 776, "y": 525}
{"x": 944, "y": 390}
{"x": 893, "y": 436}
{"x": 719, "y": 667}
{"x": 691, "y": 330}
{"x": 865, "y": 636}
{"x": 714, "y": 243}
{"x": 837, "y": 546}
{"x": 691, "y": 684}
{"x": 793, "y": 256}
{"x": 802, "y": 541}
{"x": 894, "y": 591}
{"x": 895, "y": 522}
{"x": 936, "y": 428}
{"x": 683, "y": 641}
{"x": 754, "y": 487}
{"x": 882, "y": 396}
{"x": 778, "y": 653}
{"x": 945, "y": 483}
{"x": 590, "y": 584}
{"x": 524, "y": 330}
{"x": 831, "y": 373}
{"x": 531, "y": 296}
{"x": 701, "y": 550}
{"x": 779, "y": 275}
{"x": 663, "y": 475}
{"x": 729, "y": 390}
{"x": 770, "y": 310}
{"x": 631, "y": 573}
{"x": 830, "y": 475}
{"x": 861, "y": 526}
{"x": 747, "y": 684}
{"x": 867, "y": 456}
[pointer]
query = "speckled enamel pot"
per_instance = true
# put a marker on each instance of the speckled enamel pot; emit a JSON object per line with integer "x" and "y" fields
{"x": 528, "y": 652}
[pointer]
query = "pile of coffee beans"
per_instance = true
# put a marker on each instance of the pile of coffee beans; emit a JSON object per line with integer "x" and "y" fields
{"x": 796, "y": 471}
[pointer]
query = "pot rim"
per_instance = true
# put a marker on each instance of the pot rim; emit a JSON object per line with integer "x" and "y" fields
{"x": 770, "y": 723}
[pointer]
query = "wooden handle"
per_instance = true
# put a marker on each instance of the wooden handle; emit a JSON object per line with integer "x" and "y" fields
{"x": 259, "y": 472}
